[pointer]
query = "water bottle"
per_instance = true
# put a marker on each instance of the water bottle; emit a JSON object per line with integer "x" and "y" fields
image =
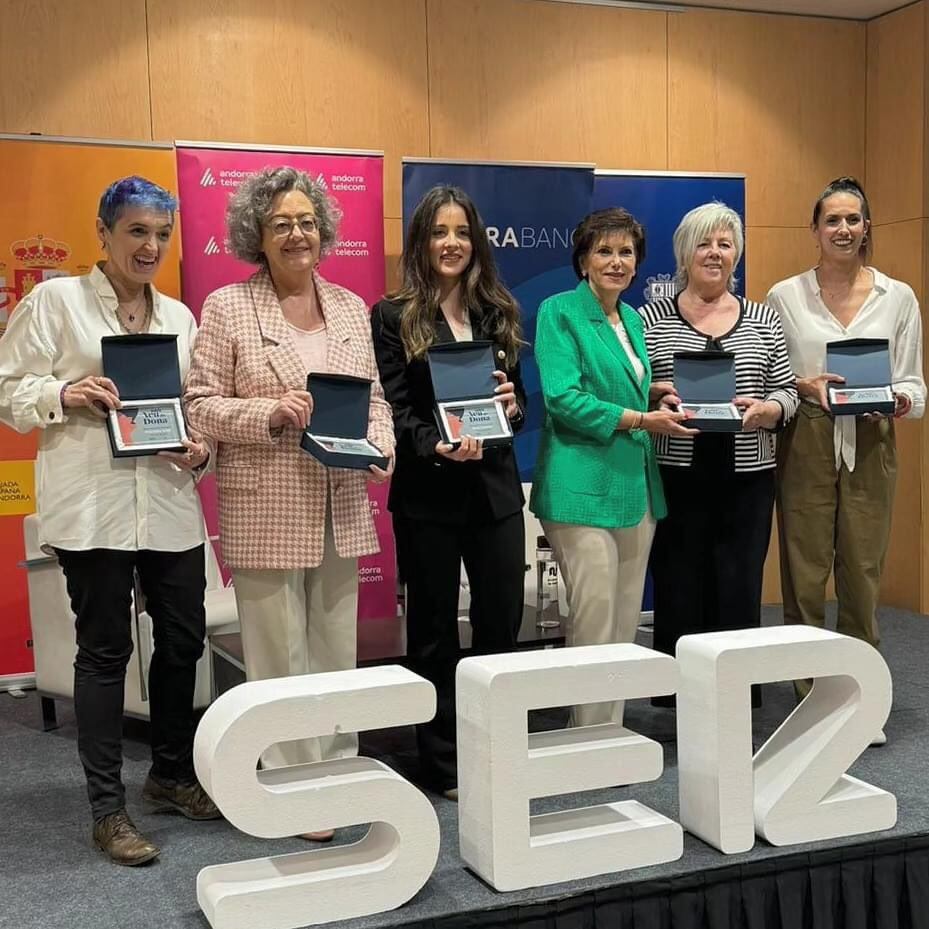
{"x": 546, "y": 603}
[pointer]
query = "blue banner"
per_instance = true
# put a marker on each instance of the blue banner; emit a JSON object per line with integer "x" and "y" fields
{"x": 530, "y": 212}
{"x": 659, "y": 202}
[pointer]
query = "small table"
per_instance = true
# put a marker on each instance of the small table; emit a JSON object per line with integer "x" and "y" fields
{"x": 379, "y": 641}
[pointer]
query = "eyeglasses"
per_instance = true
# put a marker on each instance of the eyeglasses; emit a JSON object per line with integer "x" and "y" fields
{"x": 281, "y": 228}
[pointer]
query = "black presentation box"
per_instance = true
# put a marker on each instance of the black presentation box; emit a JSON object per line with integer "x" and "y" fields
{"x": 865, "y": 365}
{"x": 463, "y": 382}
{"x": 338, "y": 430}
{"x": 147, "y": 374}
{"x": 705, "y": 382}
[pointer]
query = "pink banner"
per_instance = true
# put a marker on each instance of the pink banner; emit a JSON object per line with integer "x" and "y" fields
{"x": 206, "y": 178}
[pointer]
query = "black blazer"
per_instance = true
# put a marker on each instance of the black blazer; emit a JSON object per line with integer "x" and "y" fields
{"x": 425, "y": 485}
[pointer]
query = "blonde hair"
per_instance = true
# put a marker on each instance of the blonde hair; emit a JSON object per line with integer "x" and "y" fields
{"x": 698, "y": 225}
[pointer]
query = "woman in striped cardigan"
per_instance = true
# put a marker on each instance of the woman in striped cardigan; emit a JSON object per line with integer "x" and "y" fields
{"x": 708, "y": 555}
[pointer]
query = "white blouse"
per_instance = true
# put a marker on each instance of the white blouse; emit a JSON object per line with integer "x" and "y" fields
{"x": 890, "y": 312}
{"x": 85, "y": 497}
{"x": 626, "y": 343}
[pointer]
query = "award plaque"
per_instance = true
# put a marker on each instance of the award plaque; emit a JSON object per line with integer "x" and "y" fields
{"x": 143, "y": 427}
{"x": 464, "y": 386}
{"x": 339, "y": 446}
{"x": 712, "y": 411}
{"x": 872, "y": 397}
{"x": 865, "y": 365}
{"x": 705, "y": 382}
{"x": 337, "y": 433}
{"x": 477, "y": 419}
{"x": 147, "y": 374}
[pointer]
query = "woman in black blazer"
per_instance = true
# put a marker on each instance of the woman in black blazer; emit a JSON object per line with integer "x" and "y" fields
{"x": 451, "y": 505}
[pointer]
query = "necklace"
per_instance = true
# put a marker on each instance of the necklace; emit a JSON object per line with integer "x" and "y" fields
{"x": 132, "y": 314}
{"x": 461, "y": 329}
{"x": 843, "y": 291}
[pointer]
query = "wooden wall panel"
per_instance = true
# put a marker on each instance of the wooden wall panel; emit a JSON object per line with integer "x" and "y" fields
{"x": 925, "y": 210}
{"x": 529, "y": 81}
{"x": 75, "y": 69}
{"x": 899, "y": 252}
{"x": 896, "y": 114}
{"x": 780, "y": 98}
{"x": 393, "y": 246}
{"x": 332, "y": 73}
{"x": 924, "y": 444}
{"x": 772, "y": 254}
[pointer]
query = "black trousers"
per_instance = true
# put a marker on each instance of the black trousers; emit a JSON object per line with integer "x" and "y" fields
{"x": 708, "y": 556}
{"x": 100, "y": 587}
{"x": 493, "y": 552}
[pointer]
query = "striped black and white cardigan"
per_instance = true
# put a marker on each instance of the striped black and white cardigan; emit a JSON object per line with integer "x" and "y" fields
{"x": 762, "y": 371}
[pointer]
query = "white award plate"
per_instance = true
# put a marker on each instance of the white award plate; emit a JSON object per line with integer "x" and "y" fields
{"x": 144, "y": 427}
{"x": 720, "y": 411}
{"x": 342, "y": 446}
{"x": 839, "y": 396}
{"x": 478, "y": 419}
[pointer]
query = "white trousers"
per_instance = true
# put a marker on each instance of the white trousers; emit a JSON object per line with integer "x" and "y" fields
{"x": 604, "y": 575}
{"x": 300, "y": 622}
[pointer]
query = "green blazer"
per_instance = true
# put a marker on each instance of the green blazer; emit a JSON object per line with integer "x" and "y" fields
{"x": 587, "y": 472}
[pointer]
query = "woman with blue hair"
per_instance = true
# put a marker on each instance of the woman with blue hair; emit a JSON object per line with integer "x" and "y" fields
{"x": 106, "y": 518}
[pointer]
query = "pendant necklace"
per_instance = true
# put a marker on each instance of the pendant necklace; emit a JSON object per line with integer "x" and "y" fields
{"x": 132, "y": 314}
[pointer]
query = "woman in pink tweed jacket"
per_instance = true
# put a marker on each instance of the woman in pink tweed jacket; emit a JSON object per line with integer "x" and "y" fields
{"x": 291, "y": 529}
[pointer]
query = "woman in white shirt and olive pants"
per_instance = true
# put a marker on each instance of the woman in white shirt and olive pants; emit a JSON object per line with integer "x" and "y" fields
{"x": 106, "y": 518}
{"x": 836, "y": 475}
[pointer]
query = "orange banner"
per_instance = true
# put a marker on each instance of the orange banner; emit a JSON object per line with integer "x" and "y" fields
{"x": 50, "y": 190}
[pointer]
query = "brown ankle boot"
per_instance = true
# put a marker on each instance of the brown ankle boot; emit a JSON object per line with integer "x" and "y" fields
{"x": 190, "y": 799}
{"x": 117, "y": 835}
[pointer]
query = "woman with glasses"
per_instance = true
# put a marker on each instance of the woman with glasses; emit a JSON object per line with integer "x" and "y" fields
{"x": 291, "y": 529}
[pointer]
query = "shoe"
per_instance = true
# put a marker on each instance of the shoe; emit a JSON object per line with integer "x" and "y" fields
{"x": 324, "y": 835}
{"x": 451, "y": 794}
{"x": 117, "y": 835}
{"x": 190, "y": 799}
{"x": 880, "y": 738}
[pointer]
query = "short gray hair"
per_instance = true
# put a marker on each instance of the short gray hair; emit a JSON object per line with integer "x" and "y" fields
{"x": 698, "y": 225}
{"x": 250, "y": 206}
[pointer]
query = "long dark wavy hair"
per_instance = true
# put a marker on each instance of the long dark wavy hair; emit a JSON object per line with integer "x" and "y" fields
{"x": 482, "y": 293}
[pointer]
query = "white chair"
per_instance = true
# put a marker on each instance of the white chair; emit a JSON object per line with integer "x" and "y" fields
{"x": 54, "y": 644}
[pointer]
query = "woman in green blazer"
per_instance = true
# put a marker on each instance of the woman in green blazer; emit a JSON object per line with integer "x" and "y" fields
{"x": 597, "y": 490}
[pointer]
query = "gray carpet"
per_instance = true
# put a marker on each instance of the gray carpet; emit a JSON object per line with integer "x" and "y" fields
{"x": 51, "y": 876}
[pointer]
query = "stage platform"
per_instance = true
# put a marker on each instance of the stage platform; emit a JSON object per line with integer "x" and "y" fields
{"x": 51, "y": 876}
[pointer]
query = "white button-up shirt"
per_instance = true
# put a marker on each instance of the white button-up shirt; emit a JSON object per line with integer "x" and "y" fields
{"x": 890, "y": 312}
{"x": 85, "y": 497}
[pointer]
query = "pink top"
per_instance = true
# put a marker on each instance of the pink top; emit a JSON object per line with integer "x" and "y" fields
{"x": 311, "y": 347}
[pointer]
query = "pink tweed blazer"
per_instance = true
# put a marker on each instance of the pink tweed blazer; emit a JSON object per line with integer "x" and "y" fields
{"x": 272, "y": 494}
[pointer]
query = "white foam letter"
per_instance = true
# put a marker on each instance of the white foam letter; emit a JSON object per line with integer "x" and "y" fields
{"x": 379, "y": 872}
{"x": 501, "y": 766}
{"x": 795, "y": 789}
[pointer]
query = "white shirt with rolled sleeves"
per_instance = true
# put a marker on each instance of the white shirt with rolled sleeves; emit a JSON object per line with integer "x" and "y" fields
{"x": 85, "y": 497}
{"x": 890, "y": 312}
